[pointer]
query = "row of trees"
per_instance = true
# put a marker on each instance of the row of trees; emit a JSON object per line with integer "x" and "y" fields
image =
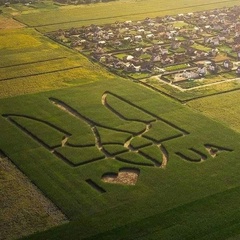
{"x": 7, "y": 2}
{"x": 82, "y": 1}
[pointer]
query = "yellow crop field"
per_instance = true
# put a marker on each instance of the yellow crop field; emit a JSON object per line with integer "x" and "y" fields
{"x": 8, "y": 23}
{"x": 46, "y": 82}
{"x": 32, "y": 63}
{"x": 17, "y": 39}
{"x": 38, "y": 68}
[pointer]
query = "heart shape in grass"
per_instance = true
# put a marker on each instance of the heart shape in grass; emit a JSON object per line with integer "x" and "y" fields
{"x": 125, "y": 176}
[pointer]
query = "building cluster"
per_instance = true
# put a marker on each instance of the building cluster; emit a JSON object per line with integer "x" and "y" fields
{"x": 151, "y": 45}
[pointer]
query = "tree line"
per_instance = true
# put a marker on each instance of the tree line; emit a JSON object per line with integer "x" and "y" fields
{"x": 7, "y": 2}
{"x": 82, "y": 1}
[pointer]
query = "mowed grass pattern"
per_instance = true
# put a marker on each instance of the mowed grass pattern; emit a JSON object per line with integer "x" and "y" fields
{"x": 179, "y": 186}
{"x": 186, "y": 200}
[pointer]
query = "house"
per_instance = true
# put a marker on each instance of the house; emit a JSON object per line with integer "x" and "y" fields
{"x": 128, "y": 23}
{"x": 167, "y": 60}
{"x": 238, "y": 71}
{"x": 163, "y": 51}
{"x": 128, "y": 58}
{"x": 150, "y": 36}
{"x": 127, "y": 39}
{"x": 101, "y": 43}
{"x": 238, "y": 56}
{"x": 129, "y": 67}
{"x": 138, "y": 52}
{"x": 179, "y": 57}
{"x": 202, "y": 71}
{"x": 213, "y": 68}
{"x": 189, "y": 75}
{"x": 175, "y": 44}
{"x": 141, "y": 31}
{"x": 215, "y": 41}
{"x": 138, "y": 38}
{"x": 227, "y": 64}
{"x": 156, "y": 58}
{"x": 222, "y": 38}
{"x": 146, "y": 66}
{"x": 214, "y": 52}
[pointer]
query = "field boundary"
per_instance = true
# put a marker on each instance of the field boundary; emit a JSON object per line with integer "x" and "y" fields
{"x": 183, "y": 101}
{"x": 27, "y": 63}
{"x": 42, "y": 73}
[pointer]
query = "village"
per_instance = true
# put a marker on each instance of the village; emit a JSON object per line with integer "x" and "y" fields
{"x": 175, "y": 48}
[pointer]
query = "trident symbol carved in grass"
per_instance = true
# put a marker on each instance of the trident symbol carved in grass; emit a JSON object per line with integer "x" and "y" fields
{"x": 144, "y": 147}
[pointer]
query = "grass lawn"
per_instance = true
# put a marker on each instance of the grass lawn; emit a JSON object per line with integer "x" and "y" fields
{"x": 194, "y": 93}
{"x": 121, "y": 55}
{"x": 176, "y": 67}
{"x": 201, "y": 47}
{"x": 139, "y": 75}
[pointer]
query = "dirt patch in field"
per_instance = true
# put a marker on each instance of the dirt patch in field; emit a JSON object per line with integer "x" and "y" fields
{"x": 9, "y": 23}
{"x": 24, "y": 209}
{"x": 124, "y": 176}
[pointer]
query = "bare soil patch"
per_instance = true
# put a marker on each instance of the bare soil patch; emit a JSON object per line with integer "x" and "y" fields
{"x": 124, "y": 176}
{"x": 24, "y": 209}
{"x": 9, "y": 23}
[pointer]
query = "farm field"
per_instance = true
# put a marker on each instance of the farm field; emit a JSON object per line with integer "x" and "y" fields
{"x": 9, "y": 23}
{"x": 31, "y": 63}
{"x": 192, "y": 145}
{"x": 223, "y": 108}
{"x": 121, "y": 158}
{"x": 103, "y": 13}
{"x": 20, "y": 200}
{"x": 192, "y": 93}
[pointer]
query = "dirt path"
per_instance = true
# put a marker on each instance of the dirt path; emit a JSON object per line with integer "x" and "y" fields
{"x": 164, "y": 157}
{"x": 197, "y": 87}
{"x": 125, "y": 177}
{"x": 212, "y": 84}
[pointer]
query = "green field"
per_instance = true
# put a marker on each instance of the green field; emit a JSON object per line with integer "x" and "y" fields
{"x": 224, "y": 108}
{"x": 193, "y": 93}
{"x": 87, "y": 208}
{"x": 66, "y": 122}
{"x": 31, "y": 63}
{"x": 102, "y": 13}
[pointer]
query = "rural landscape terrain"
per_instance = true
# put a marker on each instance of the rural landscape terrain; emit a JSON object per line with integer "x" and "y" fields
{"x": 120, "y": 119}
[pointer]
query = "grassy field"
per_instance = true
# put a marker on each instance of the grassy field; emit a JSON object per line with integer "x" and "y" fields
{"x": 66, "y": 122}
{"x": 87, "y": 208}
{"x": 223, "y": 108}
{"x": 31, "y": 63}
{"x": 102, "y": 13}
{"x": 22, "y": 201}
{"x": 9, "y": 23}
{"x": 195, "y": 91}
